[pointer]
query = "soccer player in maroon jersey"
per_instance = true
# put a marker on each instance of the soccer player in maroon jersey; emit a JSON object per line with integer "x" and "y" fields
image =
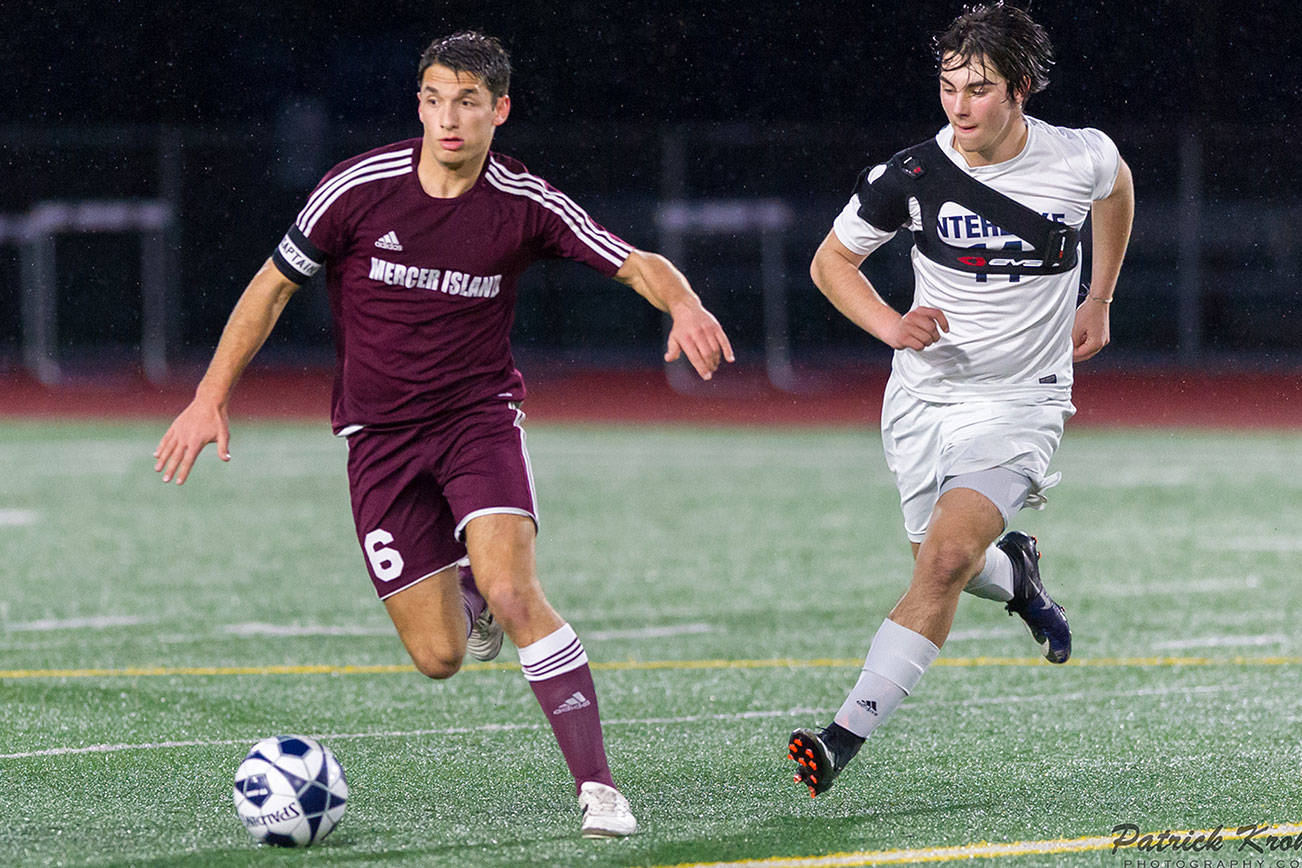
{"x": 423, "y": 242}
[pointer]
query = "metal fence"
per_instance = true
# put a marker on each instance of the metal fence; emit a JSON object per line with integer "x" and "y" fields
{"x": 132, "y": 243}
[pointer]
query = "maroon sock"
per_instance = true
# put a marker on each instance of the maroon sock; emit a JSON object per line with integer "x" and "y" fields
{"x": 556, "y": 668}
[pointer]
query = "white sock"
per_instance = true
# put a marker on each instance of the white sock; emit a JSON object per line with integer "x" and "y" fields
{"x": 995, "y": 581}
{"x": 894, "y": 666}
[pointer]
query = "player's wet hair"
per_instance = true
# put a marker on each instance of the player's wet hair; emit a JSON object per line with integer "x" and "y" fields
{"x": 1002, "y": 36}
{"x": 472, "y": 52}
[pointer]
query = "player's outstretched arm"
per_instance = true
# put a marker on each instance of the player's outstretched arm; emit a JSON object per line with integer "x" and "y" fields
{"x": 835, "y": 271}
{"x": 695, "y": 332}
{"x": 204, "y": 421}
{"x": 1112, "y": 218}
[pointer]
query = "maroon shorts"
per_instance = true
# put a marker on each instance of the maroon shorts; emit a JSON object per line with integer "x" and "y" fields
{"x": 415, "y": 488}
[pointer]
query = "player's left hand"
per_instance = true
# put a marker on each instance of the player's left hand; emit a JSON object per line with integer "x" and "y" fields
{"x": 698, "y": 335}
{"x": 1090, "y": 332}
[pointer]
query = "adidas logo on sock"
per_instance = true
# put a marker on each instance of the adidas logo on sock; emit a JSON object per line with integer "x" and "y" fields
{"x": 389, "y": 241}
{"x": 868, "y": 705}
{"x": 574, "y": 703}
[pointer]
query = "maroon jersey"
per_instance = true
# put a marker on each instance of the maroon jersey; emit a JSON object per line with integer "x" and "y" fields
{"x": 423, "y": 289}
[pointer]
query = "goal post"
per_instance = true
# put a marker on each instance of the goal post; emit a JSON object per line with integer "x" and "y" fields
{"x": 677, "y": 221}
{"x": 35, "y": 233}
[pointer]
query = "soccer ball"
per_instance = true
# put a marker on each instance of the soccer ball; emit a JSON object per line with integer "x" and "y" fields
{"x": 290, "y": 791}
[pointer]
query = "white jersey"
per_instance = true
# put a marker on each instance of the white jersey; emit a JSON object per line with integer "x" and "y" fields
{"x": 1010, "y": 335}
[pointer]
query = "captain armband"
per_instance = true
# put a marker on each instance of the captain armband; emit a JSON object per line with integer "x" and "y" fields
{"x": 296, "y": 257}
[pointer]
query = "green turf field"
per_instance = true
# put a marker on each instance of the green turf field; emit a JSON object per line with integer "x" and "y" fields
{"x": 725, "y": 582}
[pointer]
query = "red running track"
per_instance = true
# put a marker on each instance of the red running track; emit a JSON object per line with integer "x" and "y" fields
{"x": 1157, "y": 397}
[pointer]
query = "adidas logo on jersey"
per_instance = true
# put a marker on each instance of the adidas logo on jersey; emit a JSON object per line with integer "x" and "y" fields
{"x": 389, "y": 241}
{"x": 867, "y": 705}
{"x": 574, "y": 703}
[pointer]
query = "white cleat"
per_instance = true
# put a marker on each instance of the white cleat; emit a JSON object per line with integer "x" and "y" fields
{"x": 485, "y": 640}
{"x": 606, "y": 813}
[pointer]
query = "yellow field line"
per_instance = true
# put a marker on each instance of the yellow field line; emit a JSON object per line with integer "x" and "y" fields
{"x": 618, "y": 665}
{"x": 987, "y": 850}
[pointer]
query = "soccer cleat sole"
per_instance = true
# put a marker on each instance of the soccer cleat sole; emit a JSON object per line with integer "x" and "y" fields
{"x": 816, "y": 770}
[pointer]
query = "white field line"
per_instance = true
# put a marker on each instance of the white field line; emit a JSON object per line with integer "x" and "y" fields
{"x": 641, "y": 721}
{"x": 1252, "y": 544}
{"x": 18, "y": 517}
{"x": 1177, "y": 588}
{"x": 652, "y": 632}
{"x": 1076, "y": 696}
{"x": 256, "y": 629}
{"x": 1140, "y": 477}
{"x": 413, "y": 733}
{"x": 94, "y": 622}
{"x": 985, "y": 633}
{"x": 295, "y": 630}
{"x": 1220, "y": 642}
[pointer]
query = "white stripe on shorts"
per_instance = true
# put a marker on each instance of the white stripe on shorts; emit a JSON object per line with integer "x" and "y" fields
{"x": 459, "y": 533}
{"x": 418, "y": 581}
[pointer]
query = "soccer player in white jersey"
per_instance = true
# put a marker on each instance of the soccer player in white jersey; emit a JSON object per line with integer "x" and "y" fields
{"x": 981, "y": 379}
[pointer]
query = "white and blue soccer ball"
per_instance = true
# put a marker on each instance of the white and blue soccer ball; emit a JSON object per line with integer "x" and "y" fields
{"x": 290, "y": 791}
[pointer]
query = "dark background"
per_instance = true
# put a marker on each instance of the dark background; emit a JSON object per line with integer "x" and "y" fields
{"x": 232, "y": 111}
{"x": 234, "y": 62}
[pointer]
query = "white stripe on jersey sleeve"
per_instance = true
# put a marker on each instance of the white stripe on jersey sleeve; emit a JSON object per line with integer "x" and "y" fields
{"x": 342, "y": 177}
{"x": 393, "y": 164}
{"x": 527, "y": 181}
{"x": 573, "y": 217}
{"x": 602, "y": 243}
{"x": 361, "y": 179}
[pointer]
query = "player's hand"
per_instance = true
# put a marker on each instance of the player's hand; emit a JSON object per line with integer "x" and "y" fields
{"x": 917, "y": 329}
{"x": 698, "y": 335}
{"x": 1090, "y": 332}
{"x": 198, "y": 425}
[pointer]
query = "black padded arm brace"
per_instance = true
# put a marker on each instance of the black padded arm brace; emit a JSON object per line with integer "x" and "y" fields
{"x": 925, "y": 173}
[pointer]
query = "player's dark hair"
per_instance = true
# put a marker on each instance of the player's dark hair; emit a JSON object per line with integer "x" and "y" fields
{"x": 1002, "y": 36}
{"x": 472, "y": 52}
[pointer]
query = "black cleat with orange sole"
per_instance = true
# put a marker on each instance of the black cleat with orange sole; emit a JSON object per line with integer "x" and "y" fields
{"x": 818, "y": 767}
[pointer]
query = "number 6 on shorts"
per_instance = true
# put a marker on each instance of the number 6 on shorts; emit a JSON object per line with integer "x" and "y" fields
{"x": 386, "y": 562}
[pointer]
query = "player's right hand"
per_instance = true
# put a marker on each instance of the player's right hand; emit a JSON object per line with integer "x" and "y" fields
{"x": 198, "y": 425}
{"x": 698, "y": 335}
{"x": 919, "y": 328}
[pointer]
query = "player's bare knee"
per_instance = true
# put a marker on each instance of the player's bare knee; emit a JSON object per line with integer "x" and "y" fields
{"x": 949, "y": 562}
{"x": 438, "y": 665}
{"x": 512, "y": 602}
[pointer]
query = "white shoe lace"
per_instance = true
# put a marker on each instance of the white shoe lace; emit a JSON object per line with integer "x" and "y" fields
{"x": 609, "y": 801}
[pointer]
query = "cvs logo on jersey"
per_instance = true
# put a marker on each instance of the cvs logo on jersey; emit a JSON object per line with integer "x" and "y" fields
{"x": 981, "y": 261}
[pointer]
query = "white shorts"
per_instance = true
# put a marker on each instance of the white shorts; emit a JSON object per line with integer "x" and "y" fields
{"x": 926, "y": 443}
